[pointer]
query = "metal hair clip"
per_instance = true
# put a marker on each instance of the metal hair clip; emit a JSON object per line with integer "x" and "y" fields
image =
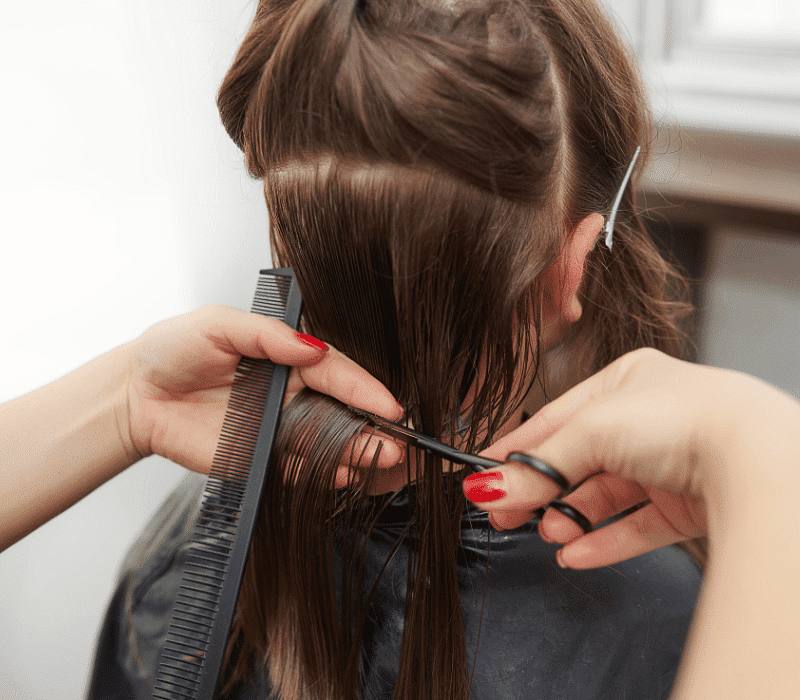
{"x": 608, "y": 227}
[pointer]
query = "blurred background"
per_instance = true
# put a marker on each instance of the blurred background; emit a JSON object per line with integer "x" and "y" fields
{"x": 124, "y": 202}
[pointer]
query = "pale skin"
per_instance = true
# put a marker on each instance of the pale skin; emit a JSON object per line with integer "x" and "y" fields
{"x": 163, "y": 393}
{"x": 716, "y": 452}
{"x": 166, "y": 393}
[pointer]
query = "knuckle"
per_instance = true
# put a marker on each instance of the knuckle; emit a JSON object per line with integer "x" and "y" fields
{"x": 647, "y": 353}
{"x": 630, "y": 362}
{"x": 643, "y": 359}
{"x": 606, "y": 496}
{"x": 639, "y": 530}
{"x": 211, "y": 312}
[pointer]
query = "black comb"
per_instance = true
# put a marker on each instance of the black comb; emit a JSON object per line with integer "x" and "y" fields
{"x": 202, "y": 615}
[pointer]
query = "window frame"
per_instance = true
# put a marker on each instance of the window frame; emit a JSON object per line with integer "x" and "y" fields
{"x": 712, "y": 84}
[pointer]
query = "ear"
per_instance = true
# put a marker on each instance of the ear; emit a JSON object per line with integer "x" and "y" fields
{"x": 562, "y": 279}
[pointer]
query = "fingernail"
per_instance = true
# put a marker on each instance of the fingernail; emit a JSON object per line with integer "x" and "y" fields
{"x": 311, "y": 341}
{"x": 402, "y": 411}
{"x": 481, "y": 488}
{"x": 560, "y": 559}
{"x": 494, "y": 524}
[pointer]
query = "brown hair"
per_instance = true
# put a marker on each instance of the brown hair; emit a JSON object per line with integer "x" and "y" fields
{"x": 422, "y": 166}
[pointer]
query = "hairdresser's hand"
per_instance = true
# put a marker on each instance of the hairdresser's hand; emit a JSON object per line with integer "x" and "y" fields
{"x": 181, "y": 372}
{"x": 654, "y": 428}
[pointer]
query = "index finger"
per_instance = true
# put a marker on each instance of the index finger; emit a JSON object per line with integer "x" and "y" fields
{"x": 338, "y": 376}
{"x": 244, "y": 333}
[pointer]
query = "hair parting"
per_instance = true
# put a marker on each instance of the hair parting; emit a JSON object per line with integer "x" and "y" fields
{"x": 423, "y": 163}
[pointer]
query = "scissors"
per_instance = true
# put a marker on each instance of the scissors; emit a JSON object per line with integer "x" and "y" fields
{"x": 479, "y": 464}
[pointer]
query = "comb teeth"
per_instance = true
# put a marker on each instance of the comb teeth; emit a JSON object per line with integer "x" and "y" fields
{"x": 272, "y": 293}
{"x": 203, "y": 611}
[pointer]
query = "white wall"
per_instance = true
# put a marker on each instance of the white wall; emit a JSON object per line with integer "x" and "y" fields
{"x": 122, "y": 201}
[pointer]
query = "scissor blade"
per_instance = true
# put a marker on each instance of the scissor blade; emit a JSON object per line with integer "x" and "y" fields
{"x": 412, "y": 437}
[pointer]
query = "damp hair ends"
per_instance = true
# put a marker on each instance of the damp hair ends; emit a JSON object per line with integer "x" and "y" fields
{"x": 422, "y": 165}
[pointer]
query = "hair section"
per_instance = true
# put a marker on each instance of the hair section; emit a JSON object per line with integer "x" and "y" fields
{"x": 422, "y": 165}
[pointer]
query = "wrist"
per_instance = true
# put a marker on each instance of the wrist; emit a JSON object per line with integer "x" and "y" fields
{"x": 102, "y": 391}
{"x": 749, "y": 453}
{"x": 746, "y": 627}
{"x": 120, "y": 388}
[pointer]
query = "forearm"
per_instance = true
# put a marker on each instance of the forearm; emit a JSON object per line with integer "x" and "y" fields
{"x": 60, "y": 442}
{"x": 745, "y": 635}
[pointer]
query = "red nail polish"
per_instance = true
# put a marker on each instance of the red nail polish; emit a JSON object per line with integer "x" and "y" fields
{"x": 480, "y": 488}
{"x": 311, "y": 341}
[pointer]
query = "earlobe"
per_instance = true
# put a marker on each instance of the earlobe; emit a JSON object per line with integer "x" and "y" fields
{"x": 563, "y": 279}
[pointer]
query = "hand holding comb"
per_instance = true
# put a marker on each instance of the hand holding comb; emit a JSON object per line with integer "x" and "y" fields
{"x": 194, "y": 650}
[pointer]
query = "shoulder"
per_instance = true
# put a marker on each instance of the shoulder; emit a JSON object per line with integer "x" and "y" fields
{"x": 545, "y": 631}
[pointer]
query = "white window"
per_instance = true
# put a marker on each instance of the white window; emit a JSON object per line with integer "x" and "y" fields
{"x": 768, "y": 22}
{"x": 720, "y": 65}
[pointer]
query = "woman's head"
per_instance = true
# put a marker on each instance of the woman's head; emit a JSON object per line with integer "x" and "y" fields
{"x": 424, "y": 162}
{"x": 431, "y": 170}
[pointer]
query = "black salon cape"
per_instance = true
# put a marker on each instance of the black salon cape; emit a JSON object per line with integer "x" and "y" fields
{"x": 545, "y": 632}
